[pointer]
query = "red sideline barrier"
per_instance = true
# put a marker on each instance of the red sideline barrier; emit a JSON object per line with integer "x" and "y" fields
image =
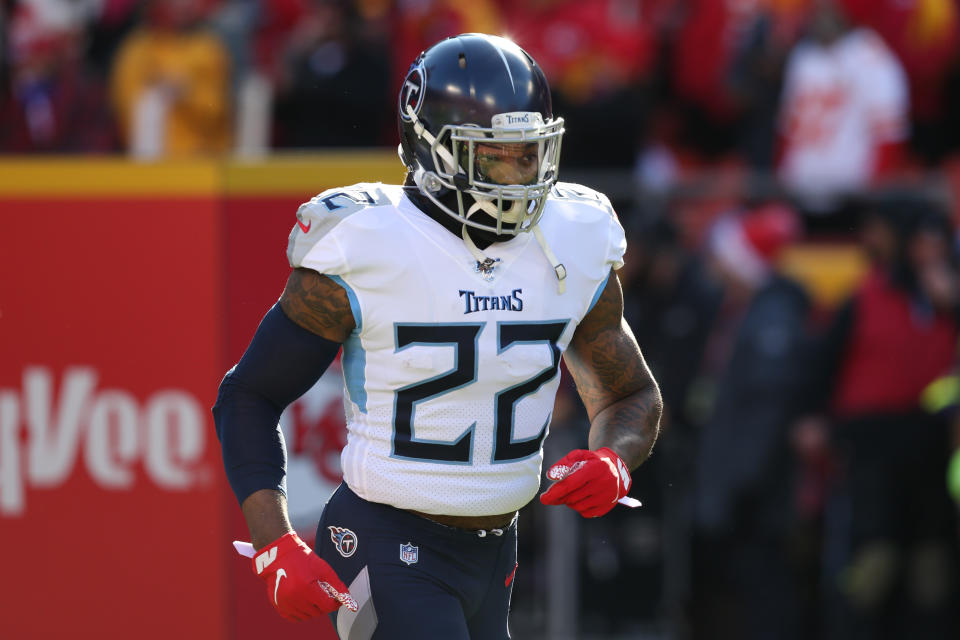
{"x": 110, "y": 494}
{"x": 126, "y": 291}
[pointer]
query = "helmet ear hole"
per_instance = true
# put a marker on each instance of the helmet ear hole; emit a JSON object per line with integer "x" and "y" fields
{"x": 462, "y": 61}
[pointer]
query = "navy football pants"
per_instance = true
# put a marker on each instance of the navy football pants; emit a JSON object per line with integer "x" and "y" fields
{"x": 414, "y": 578}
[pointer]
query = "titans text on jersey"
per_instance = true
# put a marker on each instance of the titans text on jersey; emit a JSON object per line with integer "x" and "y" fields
{"x": 474, "y": 302}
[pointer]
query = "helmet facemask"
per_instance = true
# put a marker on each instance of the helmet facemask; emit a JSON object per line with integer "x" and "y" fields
{"x": 477, "y": 161}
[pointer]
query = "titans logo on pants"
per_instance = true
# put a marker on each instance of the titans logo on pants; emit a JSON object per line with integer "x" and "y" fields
{"x": 344, "y": 540}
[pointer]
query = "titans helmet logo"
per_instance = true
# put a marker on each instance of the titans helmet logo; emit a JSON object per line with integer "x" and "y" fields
{"x": 411, "y": 93}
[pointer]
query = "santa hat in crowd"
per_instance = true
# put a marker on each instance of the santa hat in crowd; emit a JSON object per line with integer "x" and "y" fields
{"x": 750, "y": 242}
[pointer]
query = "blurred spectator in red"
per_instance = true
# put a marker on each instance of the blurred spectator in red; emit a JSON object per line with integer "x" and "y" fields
{"x": 844, "y": 114}
{"x": 598, "y": 54}
{"x": 704, "y": 40}
{"x": 53, "y": 103}
{"x": 925, "y": 36}
{"x": 700, "y": 57}
{"x": 170, "y": 84}
{"x": 746, "y": 585}
{"x": 891, "y": 555}
{"x": 332, "y": 89}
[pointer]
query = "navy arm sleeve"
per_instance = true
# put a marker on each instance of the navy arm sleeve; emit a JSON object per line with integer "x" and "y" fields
{"x": 281, "y": 363}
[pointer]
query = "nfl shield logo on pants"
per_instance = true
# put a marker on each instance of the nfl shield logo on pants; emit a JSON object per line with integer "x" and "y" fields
{"x": 409, "y": 553}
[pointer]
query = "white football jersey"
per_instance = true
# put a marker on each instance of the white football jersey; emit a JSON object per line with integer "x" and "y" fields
{"x": 450, "y": 375}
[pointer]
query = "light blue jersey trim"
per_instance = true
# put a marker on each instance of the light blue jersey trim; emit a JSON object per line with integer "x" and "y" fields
{"x": 354, "y": 356}
{"x": 596, "y": 296}
{"x": 354, "y": 301}
{"x": 354, "y": 371}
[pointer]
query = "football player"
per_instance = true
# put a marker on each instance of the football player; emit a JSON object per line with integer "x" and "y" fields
{"x": 454, "y": 297}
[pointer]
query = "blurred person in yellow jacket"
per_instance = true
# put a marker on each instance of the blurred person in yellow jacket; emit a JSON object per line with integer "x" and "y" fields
{"x": 170, "y": 84}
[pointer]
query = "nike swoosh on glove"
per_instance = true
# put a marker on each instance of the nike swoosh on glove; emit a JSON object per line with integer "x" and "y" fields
{"x": 589, "y": 482}
{"x": 300, "y": 584}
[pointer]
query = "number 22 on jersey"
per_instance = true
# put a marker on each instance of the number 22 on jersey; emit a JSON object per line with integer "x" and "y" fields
{"x": 463, "y": 338}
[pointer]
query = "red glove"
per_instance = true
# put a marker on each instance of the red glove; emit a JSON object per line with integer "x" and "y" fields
{"x": 589, "y": 482}
{"x": 300, "y": 584}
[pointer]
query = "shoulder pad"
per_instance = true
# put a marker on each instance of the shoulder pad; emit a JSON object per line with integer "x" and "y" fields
{"x": 323, "y": 212}
{"x": 585, "y": 206}
{"x": 570, "y": 191}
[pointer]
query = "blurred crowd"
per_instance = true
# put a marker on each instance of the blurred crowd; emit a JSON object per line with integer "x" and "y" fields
{"x": 799, "y": 489}
{"x": 828, "y": 93}
{"x": 800, "y": 484}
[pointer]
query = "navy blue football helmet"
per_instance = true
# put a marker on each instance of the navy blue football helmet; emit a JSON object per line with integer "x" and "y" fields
{"x": 476, "y": 119}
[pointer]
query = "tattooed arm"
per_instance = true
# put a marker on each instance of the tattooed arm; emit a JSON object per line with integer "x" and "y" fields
{"x": 318, "y": 304}
{"x": 294, "y": 344}
{"x": 614, "y": 382}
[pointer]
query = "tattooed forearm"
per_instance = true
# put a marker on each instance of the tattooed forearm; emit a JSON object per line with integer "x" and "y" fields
{"x": 607, "y": 365}
{"x": 616, "y": 386}
{"x": 317, "y": 303}
{"x": 629, "y": 426}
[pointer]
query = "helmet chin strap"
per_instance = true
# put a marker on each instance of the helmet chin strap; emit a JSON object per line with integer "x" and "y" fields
{"x": 422, "y": 132}
{"x": 558, "y": 268}
{"x": 481, "y": 203}
{"x": 512, "y": 215}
